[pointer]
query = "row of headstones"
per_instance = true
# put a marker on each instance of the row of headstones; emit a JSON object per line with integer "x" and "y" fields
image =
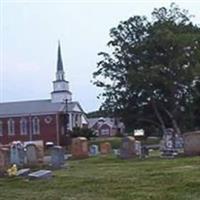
{"x": 29, "y": 155}
{"x": 129, "y": 148}
{"x": 172, "y": 144}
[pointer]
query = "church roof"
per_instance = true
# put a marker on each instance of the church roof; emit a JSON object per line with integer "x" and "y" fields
{"x": 36, "y": 107}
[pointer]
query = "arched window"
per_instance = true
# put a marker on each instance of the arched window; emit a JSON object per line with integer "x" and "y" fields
{"x": 23, "y": 126}
{"x": 36, "y": 125}
{"x": 11, "y": 127}
{"x": 1, "y": 128}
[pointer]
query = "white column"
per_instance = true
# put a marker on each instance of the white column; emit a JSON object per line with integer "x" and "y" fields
{"x": 70, "y": 121}
{"x": 78, "y": 117}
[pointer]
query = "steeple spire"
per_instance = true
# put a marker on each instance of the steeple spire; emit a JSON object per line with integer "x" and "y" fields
{"x": 59, "y": 61}
{"x": 61, "y": 90}
{"x": 60, "y": 71}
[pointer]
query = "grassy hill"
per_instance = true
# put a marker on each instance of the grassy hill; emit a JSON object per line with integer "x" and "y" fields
{"x": 109, "y": 178}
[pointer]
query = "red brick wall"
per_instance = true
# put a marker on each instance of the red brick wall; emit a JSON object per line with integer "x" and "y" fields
{"x": 48, "y": 131}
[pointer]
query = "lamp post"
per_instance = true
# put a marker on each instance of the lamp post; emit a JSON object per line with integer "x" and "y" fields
{"x": 66, "y": 116}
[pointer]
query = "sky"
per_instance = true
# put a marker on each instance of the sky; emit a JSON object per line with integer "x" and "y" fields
{"x": 29, "y": 34}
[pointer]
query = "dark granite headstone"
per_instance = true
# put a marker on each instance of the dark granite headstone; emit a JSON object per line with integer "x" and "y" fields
{"x": 144, "y": 151}
{"x": 127, "y": 149}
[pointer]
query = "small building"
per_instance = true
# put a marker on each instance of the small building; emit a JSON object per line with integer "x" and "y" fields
{"x": 48, "y": 120}
{"x": 105, "y": 127}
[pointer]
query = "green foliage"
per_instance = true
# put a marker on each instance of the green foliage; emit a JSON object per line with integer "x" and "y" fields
{"x": 149, "y": 77}
{"x": 82, "y": 132}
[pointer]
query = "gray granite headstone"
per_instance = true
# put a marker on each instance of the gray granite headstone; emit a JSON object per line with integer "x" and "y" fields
{"x": 31, "y": 154}
{"x": 57, "y": 157}
{"x": 41, "y": 174}
{"x": 17, "y": 154}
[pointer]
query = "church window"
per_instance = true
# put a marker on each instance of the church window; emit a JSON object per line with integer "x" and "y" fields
{"x": 23, "y": 126}
{"x": 11, "y": 127}
{"x": 36, "y": 125}
{"x": 1, "y": 128}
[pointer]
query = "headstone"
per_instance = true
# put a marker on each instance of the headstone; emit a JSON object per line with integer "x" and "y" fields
{"x": 4, "y": 158}
{"x": 105, "y": 148}
{"x": 144, "y": 151}
{"x": 127, "y": 149}
{"x": 94, "y": 150}
{"x": 17, "y": 154}
{"x": 179, "y": 143}
{"x": 40, "y": 150}
{"x": 167, "y": 145}
{"x": 192, "y": 143}
{"x": 57, "y": 157}
{"x": 39, "y": 147}
{"x": 138, "y": 148}
{"x": 41, "y": 174}
{"x": 31, "y": 154}
{"x": 23, "y": 172}
{"x": 79, "y": 147}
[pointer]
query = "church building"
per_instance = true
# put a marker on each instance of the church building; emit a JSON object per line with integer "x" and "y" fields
{"x": 49, "y": 120}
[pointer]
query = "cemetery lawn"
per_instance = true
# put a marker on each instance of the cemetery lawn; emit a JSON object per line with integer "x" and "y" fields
{"x": 109, "y": 178}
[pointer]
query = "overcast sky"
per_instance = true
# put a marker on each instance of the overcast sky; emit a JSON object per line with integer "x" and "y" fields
{"x": 29, "y": 33}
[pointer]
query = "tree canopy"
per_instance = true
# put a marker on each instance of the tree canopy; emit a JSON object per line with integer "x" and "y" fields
{"x": 151, "y": 78}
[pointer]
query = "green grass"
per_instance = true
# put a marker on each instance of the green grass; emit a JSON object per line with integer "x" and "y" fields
{"x": 109, "y": 178}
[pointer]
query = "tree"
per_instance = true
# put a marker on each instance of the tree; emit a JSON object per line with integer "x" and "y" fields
{"x": 153, "y": 67}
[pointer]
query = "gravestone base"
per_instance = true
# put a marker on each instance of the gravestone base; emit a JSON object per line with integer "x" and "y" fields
{"x": 23, "y": 172}
{"x": 169, "y": 154}
{"x": 41, "y": 174}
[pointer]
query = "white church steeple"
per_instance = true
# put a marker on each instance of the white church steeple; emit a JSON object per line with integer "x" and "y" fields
{"x": 60, "y": 85}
